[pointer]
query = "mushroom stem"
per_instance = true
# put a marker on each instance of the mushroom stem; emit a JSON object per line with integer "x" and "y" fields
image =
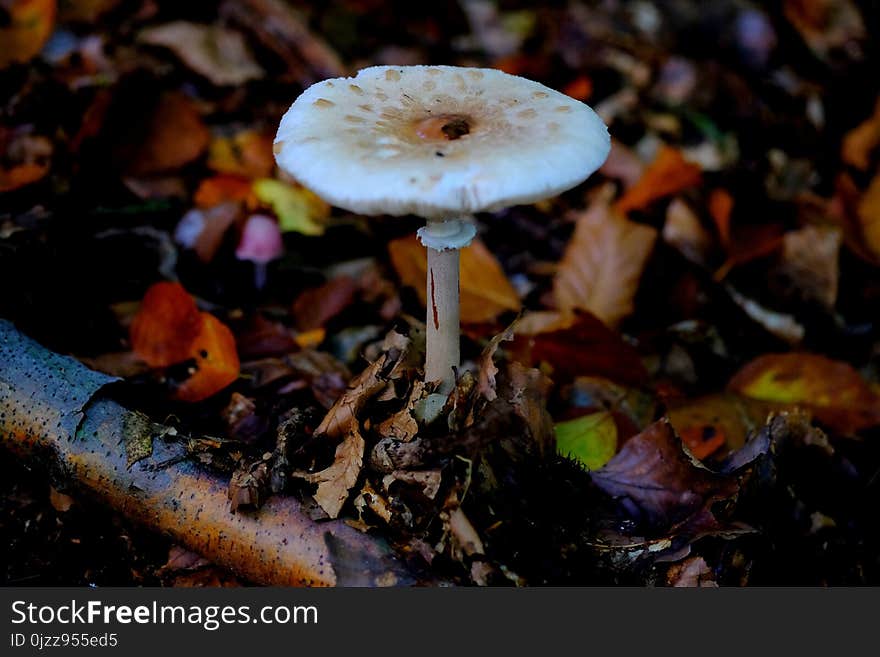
{"x": 443, "y": 239}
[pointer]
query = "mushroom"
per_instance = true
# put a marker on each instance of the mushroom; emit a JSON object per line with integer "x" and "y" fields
{"x": 260, "y": 243}
{"x": 440, "y": 142}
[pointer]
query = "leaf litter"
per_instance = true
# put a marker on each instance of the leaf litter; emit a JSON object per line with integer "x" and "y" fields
{"x": 689, "y": 396}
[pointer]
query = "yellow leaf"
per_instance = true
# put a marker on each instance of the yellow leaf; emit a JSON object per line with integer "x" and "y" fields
{"x": 298, "y": 209}
{"x": 833, "y": 390}
{"x": 28, "y": 26}
{"x": 485, "y": 290}
{"x": 247, "y": 153}
{"x": 590, "y": 440}
{"x": 602, "y": 264}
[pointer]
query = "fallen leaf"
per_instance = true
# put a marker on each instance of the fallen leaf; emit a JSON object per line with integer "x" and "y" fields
{"x": 657, "y": 481}
{"x": 527, "y": 391}
{"x": 402, "y": 425}
{"x": 297, "y": 208}
{"x": 587, "y": 347}
{"x": 623, "y": 164}
{"x": 223, "y": 189}
{"x": 26, "y": 159}
{"x": 590, "y": 439}
{"x": 165, "y": 327}
{"x": 176, "y": 136}
{"x": 868, "y": 213}
{"x": 748, "y": 243}
{"x": 216, "y": 361}
{"x": 720, "y": 209}
{"x": 809, "y": 262}
{"x": 26, "y": 27}
{"x": 683, "y": 231}
{"x": 486, "y": 368}
{"x": 485, "y": 291}
{"x": 314, "y": 307}
{"x": 860, "y": 142}
{"x": 827, "y": 26}
{"x": 692, "y": 572}
{"x": 84, "y": 11}
{"x": 248, "y": 486}
{"x": 581, "y": 88}
{"x": 702, "y": 421}
{"x": 247, "y": 153}
{"x": 218, "y": 53}
{"x": 335, "y": 482}
{"x": 668, "y": 174}
{"x": 203, "y": 230}
{"x": 343, "y": 415}
{"x": 603, "y": 263}
{"x": 832, "y": 390}
{"x": 782, "y": 325}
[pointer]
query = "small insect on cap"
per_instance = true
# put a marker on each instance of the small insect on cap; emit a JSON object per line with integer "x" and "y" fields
{"x": 437, "y": 141}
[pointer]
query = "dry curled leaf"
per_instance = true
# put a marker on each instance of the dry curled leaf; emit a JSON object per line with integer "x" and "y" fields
{"x": 487, "y": 370}
{"x": 485, "y": 290}
{"x": 335, "y": 482}
{"x": 603, "y": 264}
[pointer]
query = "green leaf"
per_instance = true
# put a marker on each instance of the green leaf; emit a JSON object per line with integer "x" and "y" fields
{"x": 591, "y": 440}
{"x": 297, "y": 208}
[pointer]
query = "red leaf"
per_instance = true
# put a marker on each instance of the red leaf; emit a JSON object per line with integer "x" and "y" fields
{"x": 586, "y": 347}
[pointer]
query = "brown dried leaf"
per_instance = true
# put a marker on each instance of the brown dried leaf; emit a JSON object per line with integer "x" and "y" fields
{"x": 485, "y": 290}
{"x": 342, "y": 418}
{"x": 656, "y": 479}
{"x": 602, "y": 264}
{"x": 335, "y": 482}
{"x": 684, "y": 232}
{"x": 402, "y": 425}
{"x": 810, "y": 262}
{"x": 692, "y": 572}
{"x": 486, "y": 368}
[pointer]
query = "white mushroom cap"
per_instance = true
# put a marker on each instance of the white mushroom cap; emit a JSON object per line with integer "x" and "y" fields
{"x": 437, "y": 141}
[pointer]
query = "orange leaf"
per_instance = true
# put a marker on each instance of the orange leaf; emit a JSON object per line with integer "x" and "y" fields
{"x": 833, "y": 390}
{"x": 868, "y": 212}
{"x": 720, "y": 209}
{"x": 702, "y": 443}
{"x": 485, "y": 290}
{"x": 222, "y": 189}
{"x": 28, "y": 26}
{"x": 668, "y": 174}
{"x": 21, "y": 175}
{"x": 247, "y": 153}
{"x": 217, "y": 363}
{"x": 581, "y": 88}
{"x": 602, "y": 264}
{"x": 859, "y": 142}
{"x": 163, "y": 331}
